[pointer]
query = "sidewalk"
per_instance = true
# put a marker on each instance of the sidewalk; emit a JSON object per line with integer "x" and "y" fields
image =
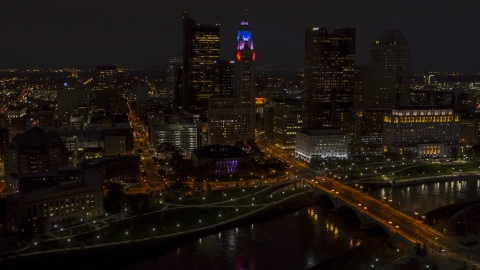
{"x": 166, "y": 208}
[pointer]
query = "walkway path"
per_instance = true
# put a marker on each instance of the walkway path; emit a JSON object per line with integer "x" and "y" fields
{"x": 263, "y": 207}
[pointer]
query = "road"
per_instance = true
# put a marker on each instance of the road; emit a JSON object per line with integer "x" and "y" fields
{"x": 397, "y": 221}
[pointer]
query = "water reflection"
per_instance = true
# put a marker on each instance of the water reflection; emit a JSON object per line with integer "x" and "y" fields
{"x": 294, "y": 241}
{"x": 425, "y": 197}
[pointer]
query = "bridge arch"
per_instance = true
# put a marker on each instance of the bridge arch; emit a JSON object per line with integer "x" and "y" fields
{"x": 366, "y": 221}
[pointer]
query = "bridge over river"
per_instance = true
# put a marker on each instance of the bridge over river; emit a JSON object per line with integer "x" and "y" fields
{"x": 398, "y": 225}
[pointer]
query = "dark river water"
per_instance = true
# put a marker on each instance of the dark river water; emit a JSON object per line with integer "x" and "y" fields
{"x": 300, "y": 239}
{"x": 425, "y": 197}
{"x": 294, "y": 241}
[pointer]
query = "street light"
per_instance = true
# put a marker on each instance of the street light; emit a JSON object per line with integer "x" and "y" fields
{"x": 336, "y": 200}
{"x": 364, "y": 214}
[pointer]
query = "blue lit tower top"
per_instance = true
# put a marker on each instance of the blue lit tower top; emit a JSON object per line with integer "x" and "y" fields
{"x": 244, "y": 36}
{"x": 244, "y": 41}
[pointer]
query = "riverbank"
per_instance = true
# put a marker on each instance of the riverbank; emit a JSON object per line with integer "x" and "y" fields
{"x": 131, "y": 252}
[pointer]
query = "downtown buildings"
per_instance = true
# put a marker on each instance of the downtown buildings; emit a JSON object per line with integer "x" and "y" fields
{"x": 387, "y": 75}
{"x": 232, "y": 116}
{"x": 329, "y": 78}
{"x": 201, "y": 49}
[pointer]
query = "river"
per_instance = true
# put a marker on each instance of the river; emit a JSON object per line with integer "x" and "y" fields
{"x": 300, "y": 239}
{"x": 422, "y": 198}
{"x": 294, "y": 241}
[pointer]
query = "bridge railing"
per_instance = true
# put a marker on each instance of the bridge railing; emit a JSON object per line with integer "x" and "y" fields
{"x": 380, "y": 221}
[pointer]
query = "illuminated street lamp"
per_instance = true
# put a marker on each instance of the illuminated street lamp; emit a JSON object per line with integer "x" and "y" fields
{"x": 336, "y": 200}
{"x": 364, "y": 214}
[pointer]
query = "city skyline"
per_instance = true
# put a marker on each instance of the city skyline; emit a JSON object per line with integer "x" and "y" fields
{"x": 82, "y": 34}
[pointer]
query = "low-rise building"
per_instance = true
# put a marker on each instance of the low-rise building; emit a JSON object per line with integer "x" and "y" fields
{"x": 223, "y": 159}
{"x": 410, "y": 127}
{"x": 66, "y": 203}
{"x": 93, "y": 152}
{"x": 321, "y": 143}
{"x": 185, "y": 137}
{"x": 33, "y": 151}
{"x": 287, "y": 121}
{"x": 41, "y": 180}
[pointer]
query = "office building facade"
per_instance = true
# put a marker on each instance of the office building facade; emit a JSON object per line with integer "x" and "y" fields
{"x": 329, "y": 78}
{"x": 414, "y": 128}
{"x": 321, "y": 143}
{"x": 387, "y": 82}
{"x": 201, "y": 49}
{"x": 233, "y": 119}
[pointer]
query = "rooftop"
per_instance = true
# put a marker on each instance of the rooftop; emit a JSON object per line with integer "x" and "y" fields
{"x": 321, "y": 131}
{"x": 173, "y": 127}
{"x": 423, "y": 107}
{"x": 90, "y": 178}
{"x": 391, "y": 35}
{"x": 36, "y": 138}
{"x": 219, "y": 151}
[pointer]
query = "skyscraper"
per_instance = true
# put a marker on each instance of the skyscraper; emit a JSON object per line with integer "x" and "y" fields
{"x": 201, "y": 48}
{"x": 244, "y": 83}
{"x": 386, "y": 80}
{"x": 72, "y": 96}
{"x": 105, "y": 85}
{"x": 224, "y": 74}
{"x": 232, "y": 118}
{"x": 329, "y": 78}
{"x": 173, "y": 64}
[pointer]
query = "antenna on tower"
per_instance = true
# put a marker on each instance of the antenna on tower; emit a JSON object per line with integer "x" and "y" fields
{"x": 246, "y": 12}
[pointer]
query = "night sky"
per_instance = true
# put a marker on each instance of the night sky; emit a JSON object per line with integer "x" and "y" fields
{"x": 443, "y": 34}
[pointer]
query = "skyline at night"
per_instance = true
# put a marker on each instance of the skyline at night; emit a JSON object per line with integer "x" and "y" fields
{"x": 81, "y": 34}
{"x": 234, "y": 134}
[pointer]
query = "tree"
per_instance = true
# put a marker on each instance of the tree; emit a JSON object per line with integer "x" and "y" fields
{"x": 418, "y": 248}
{"x": 454, "y": 152}
{"x": 141, "y": 201}
{"x": 442, "y": 225}
{"x": 315, "y": 162}
{"x": 424, "y": 250}
{"x": 208, "y": 187}
{"x": 178, "y": 164}
{"x": 162, "y": 217}
{"x": 115, "y": 198}
{"x": 409, "y": 155}
{"x": 166, "y": 149}
{"x": 43, "y": 225}
{"x": 240, "y": 145}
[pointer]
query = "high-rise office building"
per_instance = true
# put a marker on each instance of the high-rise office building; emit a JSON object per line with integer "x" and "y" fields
{"x": 232, "y": 119}
{"x": 286, "y": 123}
{"x": 329, "y": 78}
{"x": 72, "y": 96}
{"x": 173, "y": 63}
{"x": 387, "y": 84}
{"x": 33, "y": 151}
{"x": 105, "y": 85}
{"x": 201, "y": 49}
{"x": 244, "y": 83}
{"x": 424, "y": 130}
{"x": 224, "y": 74}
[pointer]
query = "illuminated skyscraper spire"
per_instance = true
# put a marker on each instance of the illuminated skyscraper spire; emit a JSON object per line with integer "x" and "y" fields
{"x": 232, "y": 119}
{"x": 244, "y": 83}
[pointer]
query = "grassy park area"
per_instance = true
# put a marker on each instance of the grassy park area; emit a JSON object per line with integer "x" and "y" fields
{"x": 411, "y": 171}
{"x": 171, "y": 220}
